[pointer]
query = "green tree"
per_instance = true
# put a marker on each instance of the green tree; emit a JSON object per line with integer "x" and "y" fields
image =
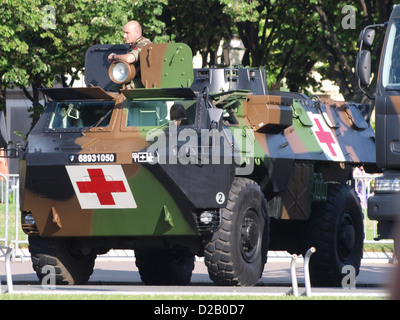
{"x": 279, "y": 35}
{"x": 200, "y": 24}
{"x": 47, "y": 40}
{"x": 289, "y": 38}
{"x": 14, "y": 47}
{"x": 339, "y": 42}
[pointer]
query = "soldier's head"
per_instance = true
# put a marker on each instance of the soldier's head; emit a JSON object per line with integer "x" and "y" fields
{"x": 177, "y": 113}
{"x": 132, "y": 32}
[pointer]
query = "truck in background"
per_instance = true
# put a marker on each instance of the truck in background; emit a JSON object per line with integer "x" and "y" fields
{"x": 384, "y": 206}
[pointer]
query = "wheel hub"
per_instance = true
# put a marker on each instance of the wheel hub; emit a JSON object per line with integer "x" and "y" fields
{"x": 349, "y": 237}
{"x": 250, "y": 237}
{"x": 346, "y": 236}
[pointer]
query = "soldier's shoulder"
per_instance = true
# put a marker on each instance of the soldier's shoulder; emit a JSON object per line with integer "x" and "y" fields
{"x": 143, "y": 41}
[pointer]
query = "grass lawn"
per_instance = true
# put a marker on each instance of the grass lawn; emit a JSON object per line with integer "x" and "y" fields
{"x": 11, "y": 224}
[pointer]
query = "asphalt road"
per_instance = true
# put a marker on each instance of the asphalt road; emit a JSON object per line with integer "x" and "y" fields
{"x": 121, "y": 276}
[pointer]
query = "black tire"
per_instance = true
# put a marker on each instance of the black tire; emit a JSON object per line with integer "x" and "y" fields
{"x": 336, "y": 230}
{"x": 164, "y": 267}
{"x": 70, "y": 267}
{"x": 237, "y": 252}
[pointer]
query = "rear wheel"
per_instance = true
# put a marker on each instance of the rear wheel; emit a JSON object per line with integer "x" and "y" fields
{"x": 60, "y": 255}
{"x": 237, "y": 252}
{"x": 336, "y": 230}
{"x": 164, "y": 267}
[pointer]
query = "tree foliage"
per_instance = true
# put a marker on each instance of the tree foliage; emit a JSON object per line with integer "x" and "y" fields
{"x": 45, "y": 40}
{"x": 200, "y": 24}
{"x": 290, "y": 37}
{"x": 339, "y": 45}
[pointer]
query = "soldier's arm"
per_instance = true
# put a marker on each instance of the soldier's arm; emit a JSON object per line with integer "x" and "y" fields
{"x": 127, "y": 57}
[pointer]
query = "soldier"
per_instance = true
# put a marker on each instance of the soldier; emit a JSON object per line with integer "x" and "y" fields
{"x": 132, "y": 36}
{"x": 178, "y": 114}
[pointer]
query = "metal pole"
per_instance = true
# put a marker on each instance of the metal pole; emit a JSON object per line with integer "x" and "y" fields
{"x": 8, "y": 267}
{"x": 307, "y": 271}
{"x": 295, "y": 287}
{"x": 5, "y": 210}
{"x": 17, "y": 218}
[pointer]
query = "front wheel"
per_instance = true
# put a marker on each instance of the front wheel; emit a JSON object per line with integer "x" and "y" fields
{"x": 336, "y": 230}
{"x": 61, "y": 256}
{"x": 237, "y": 252}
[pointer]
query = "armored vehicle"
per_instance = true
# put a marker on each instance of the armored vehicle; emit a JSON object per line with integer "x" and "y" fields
{"x": 384, "y": 206}
{"x": 190, "y": 162}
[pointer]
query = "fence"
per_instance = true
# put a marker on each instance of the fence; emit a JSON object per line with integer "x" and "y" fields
{"x": 12, "y": 233}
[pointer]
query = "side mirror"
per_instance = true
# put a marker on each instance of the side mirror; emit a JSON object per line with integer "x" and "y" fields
{"x": 367, "y": 37}
{"x": 363, "y": 62}
{"x": 364, "y": 68}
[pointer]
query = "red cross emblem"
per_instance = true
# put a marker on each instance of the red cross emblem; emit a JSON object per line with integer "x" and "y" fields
{"x": 325, "y": 137}
{"x": 101, "y": 186}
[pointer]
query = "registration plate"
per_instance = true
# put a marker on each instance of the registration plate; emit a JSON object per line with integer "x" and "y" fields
{"x": 93, "y": 158}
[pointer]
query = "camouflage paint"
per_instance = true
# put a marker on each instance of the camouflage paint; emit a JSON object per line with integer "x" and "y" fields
{"x": 149, "y": 218}
{"x": 65, "y": 217}
{"x": 297, "y": 140}
{"x": 163, "y": 65}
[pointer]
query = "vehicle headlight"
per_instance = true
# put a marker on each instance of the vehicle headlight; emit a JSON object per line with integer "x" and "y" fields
{"x": 121, "y": 72}
{"x": 387, "y": 185}
{"x": 206, "y": 217}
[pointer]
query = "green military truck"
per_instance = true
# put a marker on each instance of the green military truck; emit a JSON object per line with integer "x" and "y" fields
{"x": 200, "y": 162}
{"x": 384, "y": 206}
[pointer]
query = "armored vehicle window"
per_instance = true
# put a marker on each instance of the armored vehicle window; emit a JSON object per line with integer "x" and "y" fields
{"x": 391, "y": 62}
{"x": 81, "y": 114}
{"x": 156, "y": 113}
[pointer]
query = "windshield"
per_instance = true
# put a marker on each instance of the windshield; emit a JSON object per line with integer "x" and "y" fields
{"x": 80, "y": 114}
{"x": 391, "y": 62}
{"x": 159, "y": 112}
